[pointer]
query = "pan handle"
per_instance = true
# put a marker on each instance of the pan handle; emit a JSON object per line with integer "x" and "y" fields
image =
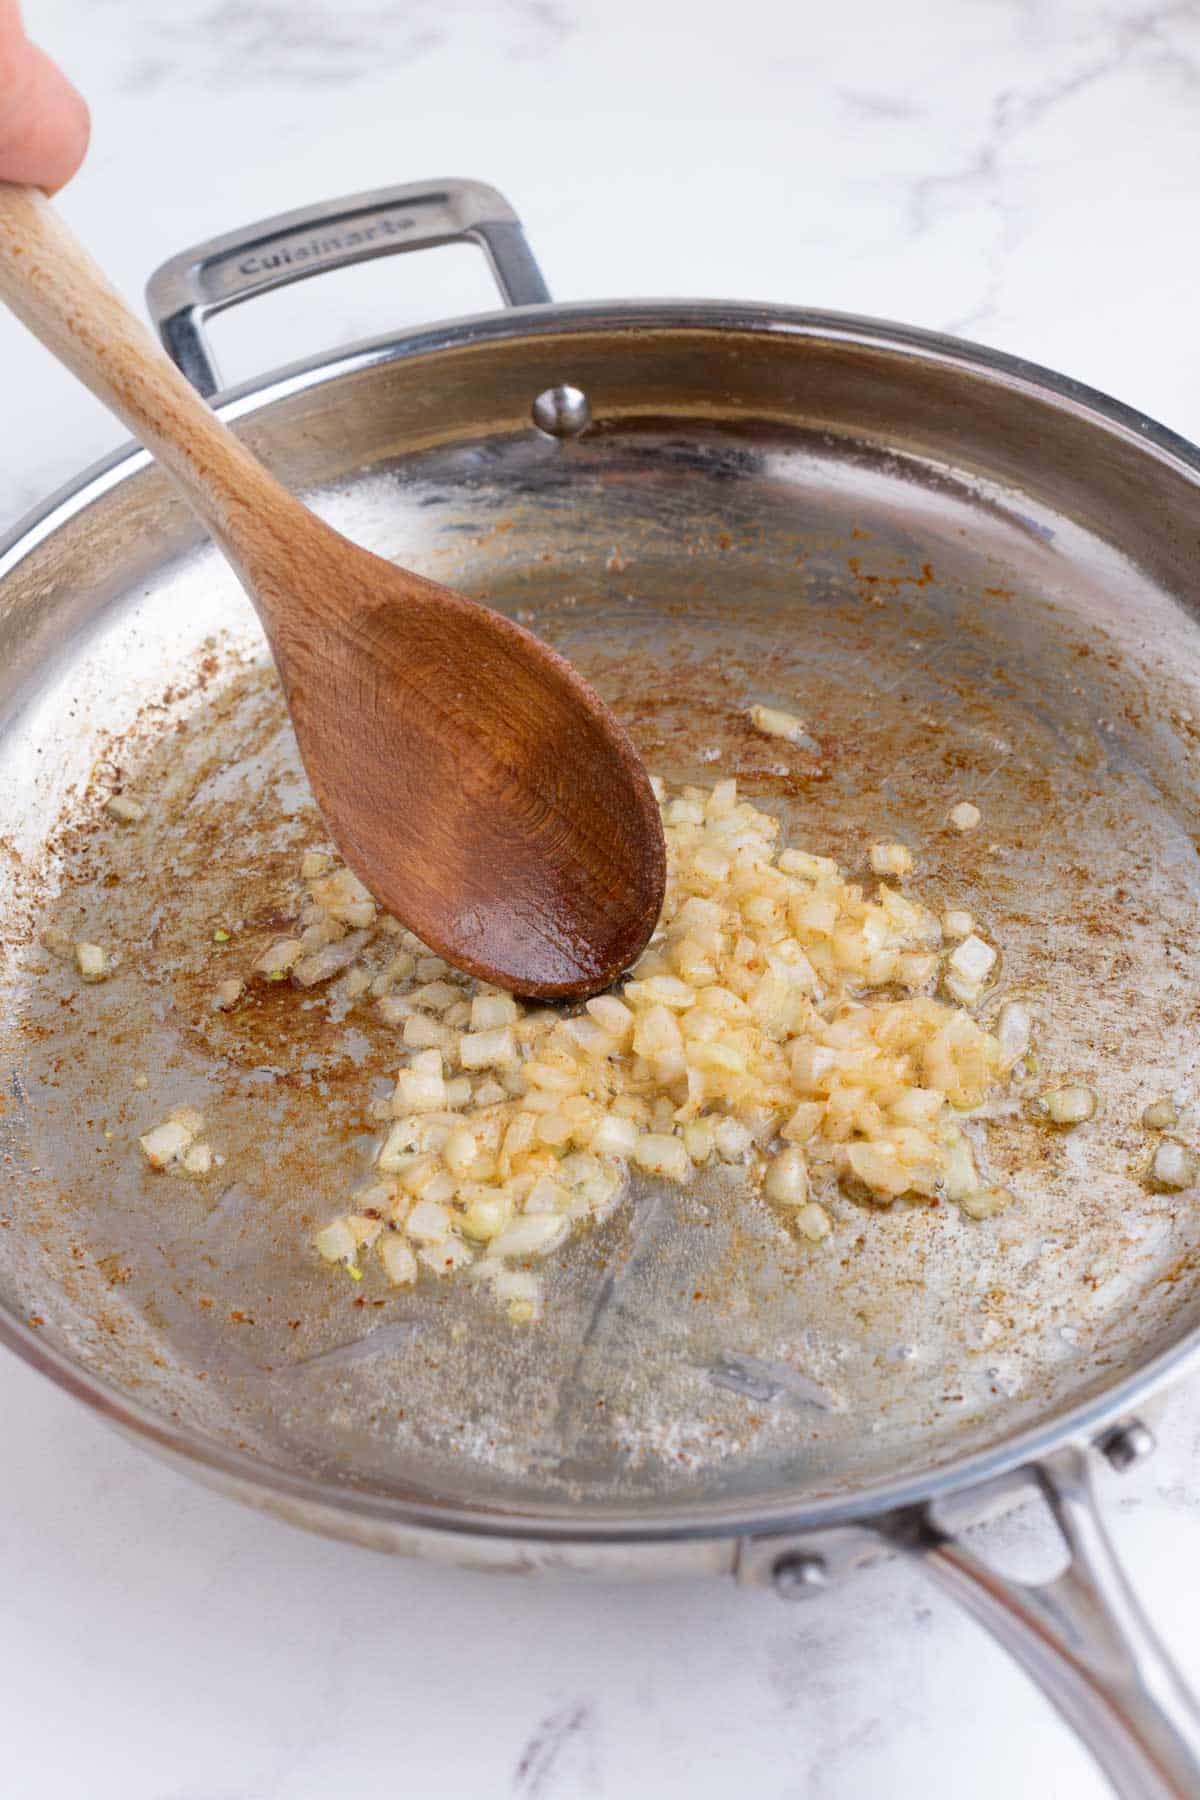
{"x": 1082, "y": 1637}
{"x": 187, "y": 290}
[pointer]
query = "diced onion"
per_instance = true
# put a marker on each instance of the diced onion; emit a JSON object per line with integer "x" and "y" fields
{"x": 773, "y": 723}
{"x": 399, "y": 1263}
{"x": 486, "y": 1214}
{"x": 343, "y": 896}
{"x": 812, "y": 1222}
{"x": 336, "y": 1242}
{"x": 780, "y": 1021}
{"x": 279, "y": 958}
{"x": 533, "y": 1236}
{"x": 1014, "y": 1029}
{"x": 92, "y": 962}
{"x": 612, "y": 1016}
{"x": 330, "y": 960}
{"x": 491, "y": 1010}
{"x": 166, "y": 1142}
{"x": 1172, "y": 1167}
{"x": 429, "y": 1222}
{"x": 986, "y": 1202}
{"x": 733, "y": 1140}
{"x": 197, "y": 1159}
{"x": 460, "y": 1150}
{"x": 787, "y": 1178}
{"x": 660, "y": 1154}
{"x": 614, "y": 1136}
{"x": 446, "y": 1256}
{"x": 891, "y": 859}
{"x": 960, "y": 1178}
{"x": 972, "y": 960}
{"x": 421, "y": 1087}
{"x": 1070, "y": 1105}
{"x": 487, "y": 1049}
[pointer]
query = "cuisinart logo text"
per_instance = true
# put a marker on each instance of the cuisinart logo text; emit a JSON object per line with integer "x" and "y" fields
{"x": 316, "y": 248}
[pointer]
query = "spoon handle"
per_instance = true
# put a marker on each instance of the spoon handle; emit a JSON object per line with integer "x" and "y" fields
{"x": 51, "y": 283}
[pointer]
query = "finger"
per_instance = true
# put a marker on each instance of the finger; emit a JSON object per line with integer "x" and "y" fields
{"x": 44, "y": 122}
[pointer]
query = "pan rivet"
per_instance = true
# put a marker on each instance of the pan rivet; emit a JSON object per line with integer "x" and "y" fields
{"x": 562, "y": 412}
{"x": 1126, "y": 1444}
{"x": 796, "y": 1577}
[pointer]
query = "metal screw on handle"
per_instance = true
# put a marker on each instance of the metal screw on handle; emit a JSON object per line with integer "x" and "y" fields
{"x": 186, "y": 291}
{"x": 799, "y": 1575}
{"x": 1126, "y": 1445}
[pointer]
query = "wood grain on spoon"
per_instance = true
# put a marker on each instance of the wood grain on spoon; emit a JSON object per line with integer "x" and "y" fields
{"x": 471, "y": 778}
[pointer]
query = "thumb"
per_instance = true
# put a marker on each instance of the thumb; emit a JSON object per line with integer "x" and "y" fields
{"x": 44, "y": 123}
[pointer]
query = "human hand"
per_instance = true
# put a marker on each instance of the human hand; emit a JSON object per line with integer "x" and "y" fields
{"x": 44, "y": 123}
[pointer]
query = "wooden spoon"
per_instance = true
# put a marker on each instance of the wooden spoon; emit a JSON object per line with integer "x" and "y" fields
{"x": 471, "y": 778}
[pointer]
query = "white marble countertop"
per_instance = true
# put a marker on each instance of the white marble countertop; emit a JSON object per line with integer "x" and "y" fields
{"x": 1020, "y": 171}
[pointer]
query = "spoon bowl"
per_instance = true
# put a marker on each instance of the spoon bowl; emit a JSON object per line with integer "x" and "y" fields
{"x": 472, "y": 779}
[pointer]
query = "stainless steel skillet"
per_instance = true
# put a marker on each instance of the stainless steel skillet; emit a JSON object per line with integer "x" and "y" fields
{"x": 974, "y": 580}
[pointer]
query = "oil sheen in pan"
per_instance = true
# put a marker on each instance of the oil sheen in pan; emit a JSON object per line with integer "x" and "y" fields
{"x": 690, "y": 1345}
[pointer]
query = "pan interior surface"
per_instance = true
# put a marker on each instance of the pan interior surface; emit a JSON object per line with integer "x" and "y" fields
{"x": 945, "y": 632}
